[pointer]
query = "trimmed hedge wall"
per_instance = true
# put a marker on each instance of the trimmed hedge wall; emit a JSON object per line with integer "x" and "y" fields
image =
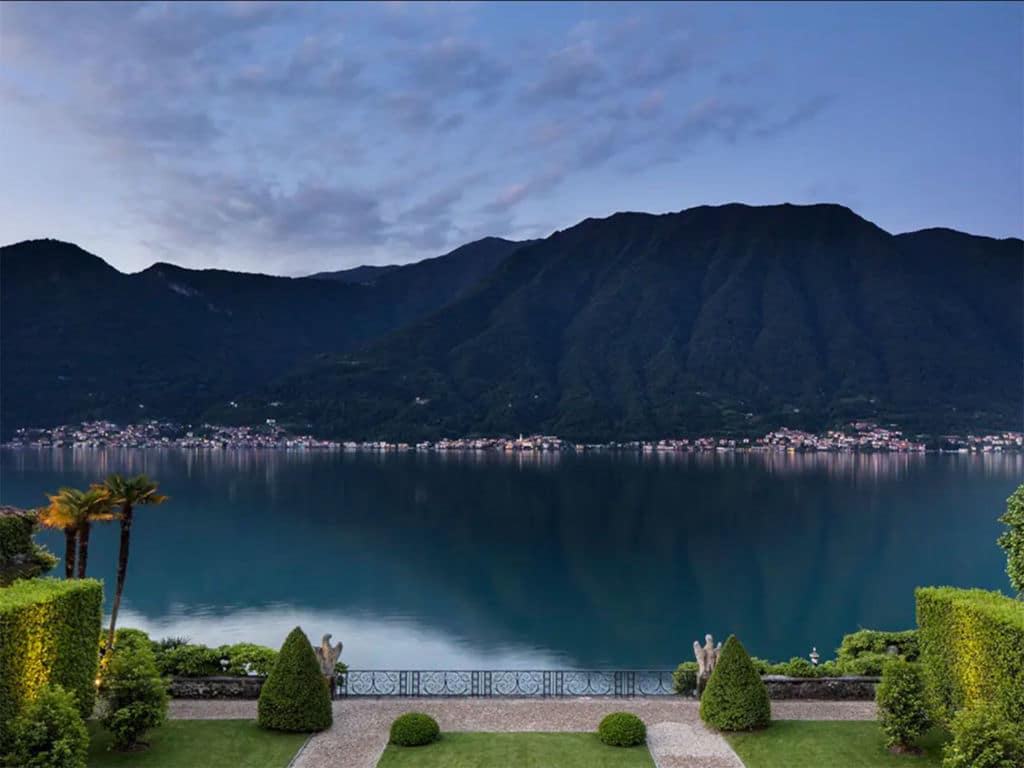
{"x": 48, "y": 631}
{"x": 972, "y": 650}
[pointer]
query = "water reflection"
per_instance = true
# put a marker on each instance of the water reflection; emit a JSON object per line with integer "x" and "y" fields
{"x": 533, "y": 560}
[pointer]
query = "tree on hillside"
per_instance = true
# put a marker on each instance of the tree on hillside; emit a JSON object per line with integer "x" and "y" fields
{"x": 1012, "y": 540}
{"x": 126, "y": 494}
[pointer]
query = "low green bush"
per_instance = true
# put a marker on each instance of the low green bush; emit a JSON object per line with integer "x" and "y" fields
{"x": 191, "y": 661}
{"x": 295, "y": 696}
{"x": 873, "y": 641}
{"x": 48, "y": 631}
{"x": 414, "y": 729}
{"x": 984, "y": 738}
{"x": 684, "y": 679}
{"x": 902, "y": 712}
{"x": 972, "y": 651}
{"x": 622, "y": 729}
{"x": 735, "y": 698}
{"x": 248, "y": 659}
{"x": 133, "y": 696}
{"x": 50, "y": 733}
{"x": 128, "y": 638}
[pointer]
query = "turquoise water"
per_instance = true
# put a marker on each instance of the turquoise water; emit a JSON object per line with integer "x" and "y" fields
{"x": 455, "y": 561}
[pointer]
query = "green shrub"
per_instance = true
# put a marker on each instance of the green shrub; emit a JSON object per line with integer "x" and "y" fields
{"x": 684, "y": 679}
{"x": 295, "y": 696}
{"x": 972, "y": 651}
{"x": 1012, "y": 539}
{"x": 735, "y": 698}
{"x": 191, "y": 661}
{"x": 48, "y": 631}
{"x": 984, "y": 738}
{"x": 878, "y": 643}
{"x": 414, "y": 729}
{"x": 622, "y": 729}
{"x": 20, "y": 556}
{"x": 248, "y": 659}
{"x": 901, "y": 704}
{"x": 871, "y": 664}
{"x": 133, "y": 696}
{"x": 49, "y": 732}
{"x": 127, "y": 637}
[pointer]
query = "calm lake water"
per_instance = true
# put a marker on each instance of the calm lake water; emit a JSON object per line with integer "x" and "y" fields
{"x": 456, "y": 561}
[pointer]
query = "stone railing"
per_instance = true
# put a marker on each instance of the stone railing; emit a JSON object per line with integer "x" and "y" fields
{"x": 779, "y": 687}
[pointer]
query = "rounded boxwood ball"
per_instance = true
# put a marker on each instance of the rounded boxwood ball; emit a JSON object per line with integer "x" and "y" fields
{"x": 295, "y": 696}
{"x": 414, "y": 729}
{"x": 622, "y": 729}
{"x": 735, "y": 698}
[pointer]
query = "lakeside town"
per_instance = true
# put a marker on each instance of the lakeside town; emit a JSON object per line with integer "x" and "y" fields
{"x": 858, "y": 436}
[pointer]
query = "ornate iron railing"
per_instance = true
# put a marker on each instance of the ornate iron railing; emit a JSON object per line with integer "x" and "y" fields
{"x": 518, "y": 683}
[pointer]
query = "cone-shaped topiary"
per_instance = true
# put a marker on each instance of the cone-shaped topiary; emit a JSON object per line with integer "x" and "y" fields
{"x": 295, "y": 696}
{"x": 735, "y": 698}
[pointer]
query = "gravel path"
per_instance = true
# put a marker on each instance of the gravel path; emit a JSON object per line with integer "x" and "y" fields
{"x": 677, "y": 737}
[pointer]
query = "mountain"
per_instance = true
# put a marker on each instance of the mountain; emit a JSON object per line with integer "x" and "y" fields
{"x": 365, "y": 275}
{"x": 80, "y": 339}
{"x": 730, "y": 318}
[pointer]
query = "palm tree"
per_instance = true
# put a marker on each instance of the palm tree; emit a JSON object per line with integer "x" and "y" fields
{"x": 58, "y": 516}
{"x": 77, "y": 510}
{"x": 127, "y": 494}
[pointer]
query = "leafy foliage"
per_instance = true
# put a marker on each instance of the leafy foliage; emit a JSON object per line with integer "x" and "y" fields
{"x": 295, "y": 696}
{"x": 622, "y": 729}
{"x": 1012, "y": 540}
{"x": 50, "y": 732}
{"x": 684, "y": 679}
{"x": 48, "y": 630}
{"x": 20, "y": 556}
{"x": 248, "y": 659}
{"x": 190, "y": 661}
{"x": 984, "y": 738}
{"x": 133, "y": 696}
{"x": 735, "y": 698}
{"x": 902, "y": 712}
{"x": 972, "y": 651}
{"x": 414, "y": 729}
{"x": 873, "y": 641}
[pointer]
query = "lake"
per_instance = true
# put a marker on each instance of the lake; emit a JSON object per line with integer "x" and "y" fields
{"x": 422, "y": 561}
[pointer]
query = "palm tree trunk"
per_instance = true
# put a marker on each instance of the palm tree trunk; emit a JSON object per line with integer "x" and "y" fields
{"x": 83, "y": 549}
{"x": 122, "y": 571}
{"x": 69, "y": 553}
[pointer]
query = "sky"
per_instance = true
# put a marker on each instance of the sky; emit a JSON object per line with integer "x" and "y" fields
{"x": 291, "y": 138}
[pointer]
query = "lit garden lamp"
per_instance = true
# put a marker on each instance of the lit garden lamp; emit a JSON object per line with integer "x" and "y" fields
{"x": 814, "y": 656}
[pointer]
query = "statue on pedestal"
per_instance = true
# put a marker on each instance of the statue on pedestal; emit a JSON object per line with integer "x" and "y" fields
{"x": 707, "y": 658}
{"x": 327, "y": 655}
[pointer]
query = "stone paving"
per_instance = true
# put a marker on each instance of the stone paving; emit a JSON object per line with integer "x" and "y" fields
{"x": 677, "y": 737}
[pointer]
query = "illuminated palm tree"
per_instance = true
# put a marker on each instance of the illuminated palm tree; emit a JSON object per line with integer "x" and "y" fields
{"x": 126, "y": 494}
{"x": 58, "y": 516}
{"x": 77, "y": 510}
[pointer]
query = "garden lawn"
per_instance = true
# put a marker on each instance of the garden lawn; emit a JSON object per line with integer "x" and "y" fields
{"x": 194, "y": 743}
{"x": 522, "y": 750}
{"x": 813, "y": 744}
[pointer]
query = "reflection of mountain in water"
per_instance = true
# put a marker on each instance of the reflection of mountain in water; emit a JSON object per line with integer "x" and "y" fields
{"x": 604, "y": 560}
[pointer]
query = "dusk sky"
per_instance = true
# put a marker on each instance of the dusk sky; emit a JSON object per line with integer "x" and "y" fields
{"x": 291, "y": 138}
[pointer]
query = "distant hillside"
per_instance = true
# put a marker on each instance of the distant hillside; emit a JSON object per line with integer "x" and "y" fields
{"x": 365, "y": 275}
{"x": 730, "y": 318}
{"x": 78, "y": 339}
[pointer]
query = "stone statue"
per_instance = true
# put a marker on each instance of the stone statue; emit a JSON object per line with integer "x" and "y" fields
{"x": 327, "y": 655}
{"x": 707, "y": 658}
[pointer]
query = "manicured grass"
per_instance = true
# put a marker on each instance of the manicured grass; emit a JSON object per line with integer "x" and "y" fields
{"x": 521, "y": 750}
{"x": 193, "y": 743}
{"x": 813, "y": 744}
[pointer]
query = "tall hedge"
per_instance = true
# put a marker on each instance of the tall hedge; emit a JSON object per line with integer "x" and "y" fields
{"x": 295, "y": 696}
{"x": 48, "y": 632}
{"x": 972, "y": 650}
